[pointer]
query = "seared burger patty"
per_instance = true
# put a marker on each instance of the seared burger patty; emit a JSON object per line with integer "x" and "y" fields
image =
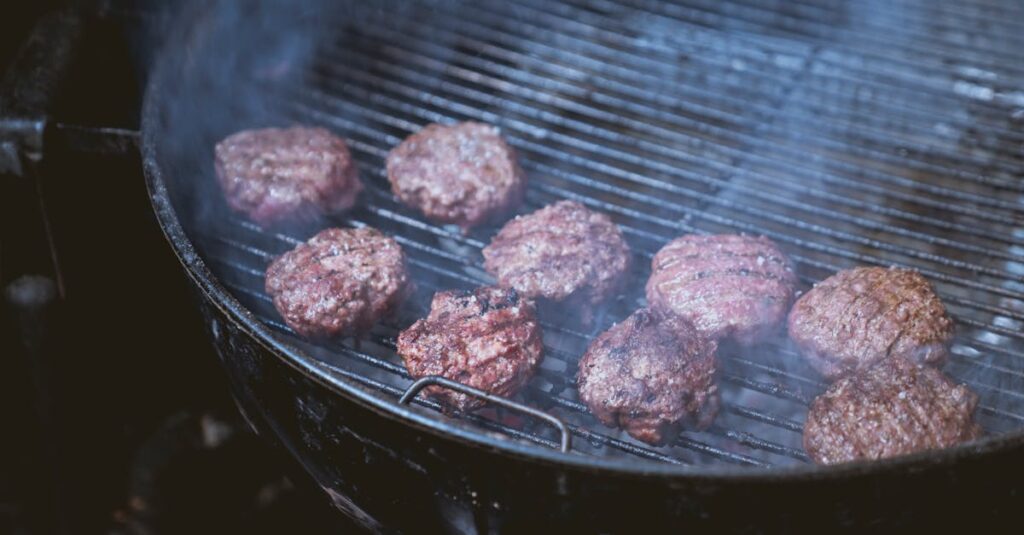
{"x": 650, "y": 375}
{"x": 562, "y": 252}
{"x": 726, "y": 285}
{"x": 858, "y": 317}
{"x": 463, "y": 173}
{"x": 894, "y": 408}
{"x": 276, "y": 174}
{"x": 486, "y": 338}
{"x": 339, "y": 282}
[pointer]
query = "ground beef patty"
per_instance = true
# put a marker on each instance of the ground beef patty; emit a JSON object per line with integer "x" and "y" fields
{"x": 727, "y": 285}
{"x": 275, "y": 174}
{"x": 562, "y": 252}
{"x": 463, "y": 173}
{"x": 649, "y": 375}
{"x": 339, "y": 282}
{"x": 860, "y": 316}
{"x": 486, "y": 338}
{"x": 894, "y": 408}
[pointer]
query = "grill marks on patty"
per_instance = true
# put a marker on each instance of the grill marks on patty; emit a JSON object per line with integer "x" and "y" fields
{"x": 861, "y": 316}
{"x": 727, "y": 285}
{"x": 563, "y": 253}
{"x": 875, "y": 331}
{"x": 286, "y": 174}
{"x": 340, "y": 282}
{"x": 487, "y": 338}
{"x": 894, "y": 408}
{"x": 463, "y": 173}
{"x": 737, "y": 272}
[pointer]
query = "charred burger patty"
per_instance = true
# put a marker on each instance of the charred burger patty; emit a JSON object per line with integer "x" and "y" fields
{"x": 649, "y": 375}
{"x": 486, "y": 338}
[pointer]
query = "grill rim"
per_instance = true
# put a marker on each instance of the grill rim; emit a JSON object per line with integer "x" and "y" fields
{"x": 218, "y": 295}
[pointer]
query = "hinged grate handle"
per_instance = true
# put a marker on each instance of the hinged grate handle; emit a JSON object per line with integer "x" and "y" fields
{"x": 420, "y": 384}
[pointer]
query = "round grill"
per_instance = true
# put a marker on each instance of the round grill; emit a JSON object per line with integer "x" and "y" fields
{"x": 864, "y": 135}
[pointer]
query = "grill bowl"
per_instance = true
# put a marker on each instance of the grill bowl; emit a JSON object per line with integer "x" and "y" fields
{"x": 334, "y": 407}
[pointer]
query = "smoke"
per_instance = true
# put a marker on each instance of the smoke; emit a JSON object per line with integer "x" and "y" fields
{"x": 219, "y": 72}
{"x": 669, "y": 127}
{"x": 230, "y": 66}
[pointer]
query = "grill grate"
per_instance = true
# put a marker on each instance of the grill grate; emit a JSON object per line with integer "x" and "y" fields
{"x": 849, "y": 134}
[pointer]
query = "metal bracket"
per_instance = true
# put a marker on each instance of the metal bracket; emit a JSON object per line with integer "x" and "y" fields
{"x": 30, "y": 85}
{"x": 437, "y": 380}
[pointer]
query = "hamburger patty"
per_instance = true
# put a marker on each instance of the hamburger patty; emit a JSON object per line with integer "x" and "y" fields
{"x": 894, "y": 408}
{"x": 726, "y": 285}
{"x": 562, "y": 252}
{"x": 275, "y": 174}
{"x": 860, "y": 316}
{"x": 341, "y": 281}
{"x": 486, "y": 338}
{"x": 463, "y": 173}
{"x": 649, "y": 375}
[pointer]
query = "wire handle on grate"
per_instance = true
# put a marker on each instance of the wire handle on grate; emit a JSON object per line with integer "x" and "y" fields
{"x": 420, "y": 384}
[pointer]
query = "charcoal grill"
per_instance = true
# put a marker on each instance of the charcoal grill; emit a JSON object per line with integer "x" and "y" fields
{"x": 865, "y": 134}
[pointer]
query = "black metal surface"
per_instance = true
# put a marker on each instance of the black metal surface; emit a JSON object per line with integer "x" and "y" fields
{"x": 29, "y": 86}
{"x": 849, "y": 134}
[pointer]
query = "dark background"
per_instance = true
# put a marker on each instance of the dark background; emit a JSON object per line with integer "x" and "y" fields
{"x": 117, "y": 418}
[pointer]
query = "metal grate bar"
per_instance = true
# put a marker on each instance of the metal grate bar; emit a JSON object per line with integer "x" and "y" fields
{"x": 449, "y": 274}
{"x": 760, "y": 386}
{"x": 607, "y": 33}
{"x": 768, "y": 388}
{"x": 838, "y": 127}
{"x": 551, "y": 84}
{"x": 635, "y": 160}
{"x": 866, "y": 44}
{"x": 331, "y": 101}
{"x": 688, "y": 443}
{"x": 488, "y": 424}
{"x": 712, "y": 117}
{"x": 611, "y": 32}
{"x": 938, "y": 275}
{"x": 605, "y": 63}
{"x": 921, "y": 43}
{"x": 870, "y": 224}
{"x": 971, "y": 15}
{"x": 569, "y": 360}
{"x": 739, "y": 437}
{"x": 928, "y": 238}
